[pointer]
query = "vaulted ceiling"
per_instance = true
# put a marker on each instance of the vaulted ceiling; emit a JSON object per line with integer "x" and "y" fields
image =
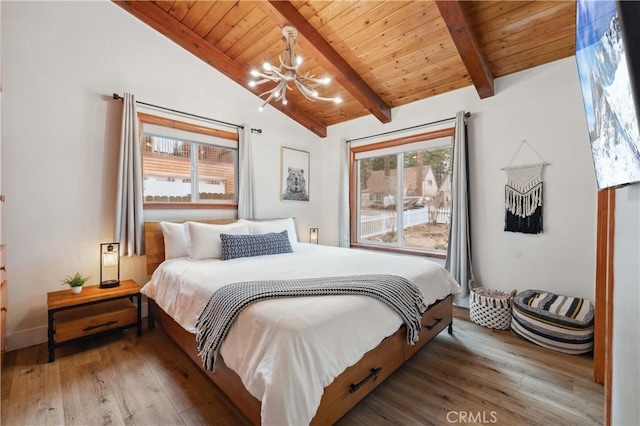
{"x": 380, "y": 54}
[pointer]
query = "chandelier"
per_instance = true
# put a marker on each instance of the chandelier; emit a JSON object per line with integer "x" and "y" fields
{"x": 288, "y": 71}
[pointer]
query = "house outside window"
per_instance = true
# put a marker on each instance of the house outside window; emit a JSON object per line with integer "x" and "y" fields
{"x": 403, "y": 194}
{"x": 187, "y": 166}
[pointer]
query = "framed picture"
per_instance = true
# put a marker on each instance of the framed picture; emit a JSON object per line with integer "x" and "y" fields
{"x": 294, "y": 174}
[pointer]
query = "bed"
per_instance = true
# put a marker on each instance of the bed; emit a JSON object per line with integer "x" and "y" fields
{"x": 295, "y": 360}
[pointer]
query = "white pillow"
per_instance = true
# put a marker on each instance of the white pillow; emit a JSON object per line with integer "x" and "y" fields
{"x": 204, "y": 238}
{"x": 176, "y": 236}
{"x": 279, "y": 225}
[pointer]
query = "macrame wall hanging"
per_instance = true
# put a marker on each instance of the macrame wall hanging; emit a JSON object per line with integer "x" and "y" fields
{"x": 523, "y": 195}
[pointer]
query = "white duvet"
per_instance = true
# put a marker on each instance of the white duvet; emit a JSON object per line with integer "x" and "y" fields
{"x": 286, "y": 351}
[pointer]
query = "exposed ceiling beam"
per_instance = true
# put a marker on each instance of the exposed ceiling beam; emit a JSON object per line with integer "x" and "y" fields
{"x": 173, "y": 29}
{"x": 466, "y": 42}
{"x": 285, "y": 13}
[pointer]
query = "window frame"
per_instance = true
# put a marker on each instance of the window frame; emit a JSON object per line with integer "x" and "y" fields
{"x": 353, "y": 188}
{"x": 193, "y": 128}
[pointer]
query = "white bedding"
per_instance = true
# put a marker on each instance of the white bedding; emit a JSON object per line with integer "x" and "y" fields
{"x": 286, "y": 351}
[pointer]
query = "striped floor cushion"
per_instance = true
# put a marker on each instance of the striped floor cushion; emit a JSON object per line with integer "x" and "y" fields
{"x": 561, "y": 323}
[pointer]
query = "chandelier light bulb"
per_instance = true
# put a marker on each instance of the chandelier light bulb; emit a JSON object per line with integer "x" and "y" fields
{"x": 298, "y": 59}
{"x": 266, "y": 66}
{"x": 261, "y": 109}
{"x": 337, "y": 100}
{"x": 284, "y": 101}
{"x": 255, "y": 73}
{"x": 326, "y": 80}
{"x": 252, "y": 84}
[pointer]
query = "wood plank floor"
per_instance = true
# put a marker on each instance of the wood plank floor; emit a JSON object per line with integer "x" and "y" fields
{"x": 475, "y": 376}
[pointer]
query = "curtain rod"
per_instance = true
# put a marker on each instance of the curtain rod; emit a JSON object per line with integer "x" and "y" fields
{"x": 444, "y": 120}
{"x": 237, "y": 126}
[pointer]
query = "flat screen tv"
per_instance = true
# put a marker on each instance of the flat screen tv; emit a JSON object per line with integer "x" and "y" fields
{"x": 607, "y": 54}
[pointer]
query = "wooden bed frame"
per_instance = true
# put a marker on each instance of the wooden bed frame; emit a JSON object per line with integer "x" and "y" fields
{"x": 344, "y": 392}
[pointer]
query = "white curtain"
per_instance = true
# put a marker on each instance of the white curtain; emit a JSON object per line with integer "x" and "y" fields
{"x": 245, "y": 184}
{"x": 129, "y": 214}
{"x": 344, "y": 237}
{"x": 459, "y": 251}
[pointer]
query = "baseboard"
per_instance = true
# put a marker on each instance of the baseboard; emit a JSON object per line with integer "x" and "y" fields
{"x": 38, "y": 335}
{"x": 25, "y": 338}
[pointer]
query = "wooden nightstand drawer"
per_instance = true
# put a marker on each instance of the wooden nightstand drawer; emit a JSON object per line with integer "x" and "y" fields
{"x": 87, "y": 320}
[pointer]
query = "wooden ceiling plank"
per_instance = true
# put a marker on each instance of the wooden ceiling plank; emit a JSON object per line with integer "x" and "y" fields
{"x": 528, "y": 44}
{"x": 416, "y": 76}
{"x": 258, "y": 34}
{"x": 426, "y": 43}
{"x": 231, "y": 18}
{"x": 538, "y": 55}
{"x": 428, "y": 48}
{"x": 311, "y": 10}
{"x": 386, "y": 11}
{"x": 398, "y": 22}
{"x": 173, "y": 29}
{"x": 441, "y": 86}
{"x": 337, "y": 11}
{"x": 482, "y": 11}
{"x": 213, "y": 17}
{"x": 343, "y": 73}
{"x": 468, "y": 46}
{"x": 430, "y": 79}
{"x": 256, "y": 53}
{"x": 180, "y": 9}
{"x": 164, "y": 5}
{"x": 196, "y": 13}
{"x": 522, "y": 13}
{"x": 545, "y": 30}
{"x": 388, "y": 37}
{"x": 355, "y": 16}
{"x": 535, "y": 25}
{"x": 245, "y": 25}
{"x": 414, "y": 41}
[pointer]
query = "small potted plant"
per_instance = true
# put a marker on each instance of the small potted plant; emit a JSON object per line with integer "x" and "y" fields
{"x": 75, "y": 282}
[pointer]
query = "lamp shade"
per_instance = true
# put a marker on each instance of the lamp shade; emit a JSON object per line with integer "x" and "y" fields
{"x": 109, "y": 265}
{"x": 313, "y": 235}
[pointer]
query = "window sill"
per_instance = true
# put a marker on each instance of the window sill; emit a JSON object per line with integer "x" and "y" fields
{"x": 188, "y": 206}
{"x": 432, "y": 254}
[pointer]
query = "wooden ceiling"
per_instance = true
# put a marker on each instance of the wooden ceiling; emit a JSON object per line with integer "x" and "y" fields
{"x": 380, "y": 54}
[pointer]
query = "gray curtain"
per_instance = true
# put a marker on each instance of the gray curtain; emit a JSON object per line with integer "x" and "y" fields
{"x": 129, "y": 214}
{"x": 459, "y": 251}
{"x": 344, "y": 237}
{"x": 245, "y": 184}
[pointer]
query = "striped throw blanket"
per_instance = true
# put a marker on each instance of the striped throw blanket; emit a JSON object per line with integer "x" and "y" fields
{"x": 227, "y": 302}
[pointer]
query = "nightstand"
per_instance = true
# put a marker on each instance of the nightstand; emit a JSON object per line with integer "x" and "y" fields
{"x": 92, "y": 311}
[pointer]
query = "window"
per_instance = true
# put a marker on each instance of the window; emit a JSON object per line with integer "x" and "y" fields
{"x": 187, "y": 165}
{"x": 403, "y": 194}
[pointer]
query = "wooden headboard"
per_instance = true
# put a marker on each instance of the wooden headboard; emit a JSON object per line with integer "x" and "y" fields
{"x": 154, "y": 241}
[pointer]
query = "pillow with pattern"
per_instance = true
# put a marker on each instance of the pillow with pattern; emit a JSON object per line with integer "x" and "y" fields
{"x": 250, "y": 245}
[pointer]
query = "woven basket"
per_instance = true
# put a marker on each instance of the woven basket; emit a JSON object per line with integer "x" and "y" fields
{"x": 490, "y": 308}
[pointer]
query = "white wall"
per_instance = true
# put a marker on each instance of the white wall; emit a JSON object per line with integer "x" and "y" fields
{"x": 61, "y": 63}
{"x": 625, "y": 409}
{"x": 542, "y": 105}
